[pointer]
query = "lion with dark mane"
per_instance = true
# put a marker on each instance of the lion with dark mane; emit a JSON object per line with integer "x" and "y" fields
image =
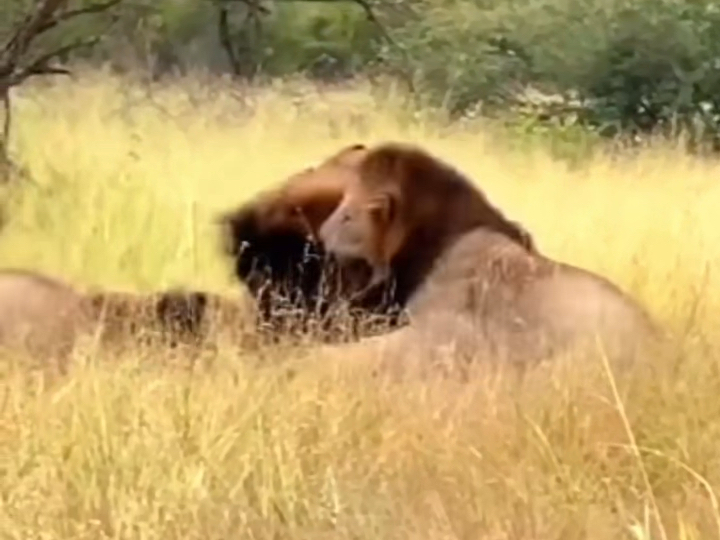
{"x": 468, "y": 276}
{"x": 273, "y": 242}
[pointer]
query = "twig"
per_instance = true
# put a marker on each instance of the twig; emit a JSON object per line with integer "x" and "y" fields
{"x": 30, "y": 28}
{"x": 71, "y": 14}
{"x": 370, "y": 14}
{"x": 40, "y": 65}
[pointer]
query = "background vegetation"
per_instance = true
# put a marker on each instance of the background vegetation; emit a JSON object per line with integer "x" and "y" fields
{"x": 122, "y": 167}
{"x": 616, "y": 67}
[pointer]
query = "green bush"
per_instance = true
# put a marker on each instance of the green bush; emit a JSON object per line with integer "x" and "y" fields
{"x": 617, "y": 66}
{"x": 620, "y": 65}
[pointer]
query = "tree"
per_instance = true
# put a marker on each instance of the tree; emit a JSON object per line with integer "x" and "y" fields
{"x": 25, "y": 54}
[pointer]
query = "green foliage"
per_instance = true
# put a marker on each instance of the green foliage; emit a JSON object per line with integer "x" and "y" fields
{"x": 319, "y": 39}
{"x": 72, "y": 29}
{"x": 11, "y": 12}
{"x": 454, "y": 53}
{"x": 634, "y": 66}
{"x": 617, "y": 66}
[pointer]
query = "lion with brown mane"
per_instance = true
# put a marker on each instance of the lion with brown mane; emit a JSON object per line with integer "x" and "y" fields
{"x": 468, "y": 277}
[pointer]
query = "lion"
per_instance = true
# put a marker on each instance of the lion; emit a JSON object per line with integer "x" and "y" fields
{"x": 171, "y": 317}
{"x": 39, "y": 315}
{"x": 45, "y": 316}
{"x": 277, "y": 255}
{"x": 472, "y": 281}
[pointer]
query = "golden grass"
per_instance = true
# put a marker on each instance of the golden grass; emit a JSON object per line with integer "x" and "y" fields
{"x": 125, "y": 183}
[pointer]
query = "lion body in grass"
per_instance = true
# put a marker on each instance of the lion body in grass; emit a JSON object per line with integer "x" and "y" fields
{"x": 472, "y": 281}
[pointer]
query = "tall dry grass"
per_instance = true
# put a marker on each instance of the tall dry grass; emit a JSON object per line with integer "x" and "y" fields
{"x": 123, "y": 185}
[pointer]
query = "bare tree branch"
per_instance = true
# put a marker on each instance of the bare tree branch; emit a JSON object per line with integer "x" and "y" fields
{"x": 254, "y": 13}
{"x": 225, "y": 38}
{"x": 17, "y": 64}
{"x": 73, "y": 13}
{"x": 29, "y": 29}
{"x": 40, "y": 66}
{"x": 370, "y": 14}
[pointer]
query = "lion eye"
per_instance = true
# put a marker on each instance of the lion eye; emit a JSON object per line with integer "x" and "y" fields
{"x": 376, "y": 207}
{"x": 382, "y": 208}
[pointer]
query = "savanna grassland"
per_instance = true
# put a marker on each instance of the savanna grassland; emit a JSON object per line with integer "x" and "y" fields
{"x": 122, "y": 187}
